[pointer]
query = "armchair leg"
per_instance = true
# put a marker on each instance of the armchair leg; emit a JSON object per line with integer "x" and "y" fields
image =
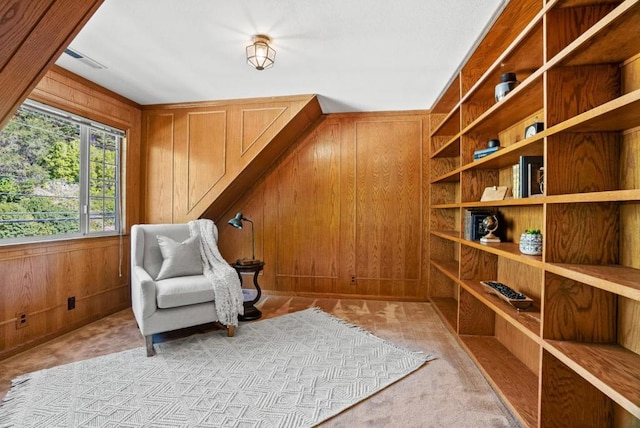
{"x": 150, "y": 351}
{"x": 231, "y": 330}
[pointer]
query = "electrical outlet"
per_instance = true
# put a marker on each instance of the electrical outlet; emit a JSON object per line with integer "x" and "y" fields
{"x": 71, "y": 303}
{"x": 21, "y": 320}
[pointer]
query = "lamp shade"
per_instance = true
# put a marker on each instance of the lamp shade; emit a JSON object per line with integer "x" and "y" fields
{"x": 259, "y": 54}
{"x": 236, "y": 221}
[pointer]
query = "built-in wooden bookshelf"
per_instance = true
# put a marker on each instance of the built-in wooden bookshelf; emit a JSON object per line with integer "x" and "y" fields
{"x": 573, "y": 358}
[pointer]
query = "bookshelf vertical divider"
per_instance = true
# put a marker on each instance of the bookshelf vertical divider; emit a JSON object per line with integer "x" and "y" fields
{"x": 573, "y": 359}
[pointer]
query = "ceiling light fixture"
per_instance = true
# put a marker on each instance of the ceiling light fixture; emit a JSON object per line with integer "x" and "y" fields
{"x": 259, "y": 54}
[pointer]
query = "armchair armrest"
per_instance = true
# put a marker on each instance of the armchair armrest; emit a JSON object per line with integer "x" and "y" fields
{"x": 143, "y": 293}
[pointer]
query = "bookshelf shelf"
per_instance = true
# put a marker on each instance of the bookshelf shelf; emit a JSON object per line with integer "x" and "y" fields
{"x": 517, "y": 53}
{"x": 448, "y": 267}
{"x": 450, "y": 177}
{"x": 524, "y": 100}
{"x": 534, "y": 200}
{"x": 578, "y": 62}
{"x": 444, "y": 206}
{"x": 621, "y": 280}
{"x": 510, "y": 155}
{"x": 507, "y": 250}
{"x": 449, "y": 126}
{"x": 610, "y": 368}
{"x": 592, "y": 197}
{"x": 447, "y": 307}
{"x": 449, "y": 149}
{"x": 501, "y": 367}
{"x": 451, "y": 235}
{"x": 615, "y": 115}
{"x": 594, "y": 46}
{"x": 526, "y": 321}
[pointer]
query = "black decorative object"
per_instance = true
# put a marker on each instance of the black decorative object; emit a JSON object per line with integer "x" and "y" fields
{"x": 507, "y": 83}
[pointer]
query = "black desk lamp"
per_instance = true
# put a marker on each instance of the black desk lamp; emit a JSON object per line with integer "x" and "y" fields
{"x": 237, "y": 223}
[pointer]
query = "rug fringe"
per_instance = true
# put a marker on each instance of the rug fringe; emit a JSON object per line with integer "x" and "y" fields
{"x": 15, "y": 397}
{"x": 419, "y": 354}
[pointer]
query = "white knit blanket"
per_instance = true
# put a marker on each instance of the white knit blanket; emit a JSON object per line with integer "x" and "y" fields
{"x": 223, "y": 278}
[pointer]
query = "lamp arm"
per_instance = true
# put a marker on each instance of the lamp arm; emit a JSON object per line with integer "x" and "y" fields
{"x": 253, "y": 240}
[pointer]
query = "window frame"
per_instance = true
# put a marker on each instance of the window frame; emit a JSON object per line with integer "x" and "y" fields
{"x": 84, "y": 198}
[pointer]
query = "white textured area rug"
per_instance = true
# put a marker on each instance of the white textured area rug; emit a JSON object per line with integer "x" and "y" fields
{"x": 295, "y": 370}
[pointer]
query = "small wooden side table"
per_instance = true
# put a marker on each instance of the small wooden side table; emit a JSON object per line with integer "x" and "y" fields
{"x": 250, "y": 311}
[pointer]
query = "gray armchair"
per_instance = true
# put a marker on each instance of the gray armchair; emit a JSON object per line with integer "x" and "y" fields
{"x": 161, "y": 305}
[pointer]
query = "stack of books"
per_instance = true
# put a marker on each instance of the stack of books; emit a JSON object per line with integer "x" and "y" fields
{"x": 473, "y": 229}
{"x": 479, "y": 154}
{"x": 526, "y": 174}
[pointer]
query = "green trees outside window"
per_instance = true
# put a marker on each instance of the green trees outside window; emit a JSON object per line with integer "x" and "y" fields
{"x": 59, "y": 175}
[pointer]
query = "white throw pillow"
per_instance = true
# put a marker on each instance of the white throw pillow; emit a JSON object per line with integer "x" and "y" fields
{"x": 180, "y": 258}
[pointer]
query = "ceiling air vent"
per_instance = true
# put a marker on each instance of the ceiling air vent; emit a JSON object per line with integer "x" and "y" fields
{"x": 84, "y": 59}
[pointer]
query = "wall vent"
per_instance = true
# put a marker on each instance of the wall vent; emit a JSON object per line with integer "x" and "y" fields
{"x": 84, "y": 59}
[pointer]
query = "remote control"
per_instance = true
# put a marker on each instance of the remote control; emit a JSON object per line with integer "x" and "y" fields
{"x": 506, "y": 293}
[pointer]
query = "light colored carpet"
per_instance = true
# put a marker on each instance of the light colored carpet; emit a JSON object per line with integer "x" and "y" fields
{"x": 295, "y": 370}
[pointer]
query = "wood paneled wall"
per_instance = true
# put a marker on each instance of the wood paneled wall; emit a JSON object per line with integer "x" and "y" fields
{"x": 37, "y": 279}
{"x": 33, "y": 33}
{"x": 342, "y": 212}
{"x": 200, "y": 157}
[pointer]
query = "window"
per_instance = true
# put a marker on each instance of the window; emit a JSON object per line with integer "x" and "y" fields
{"x": 59, "y": 176}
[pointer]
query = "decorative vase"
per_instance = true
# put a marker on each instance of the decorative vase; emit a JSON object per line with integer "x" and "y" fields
{"x": 531, "y": 244}
{"x": 507, "y": 83}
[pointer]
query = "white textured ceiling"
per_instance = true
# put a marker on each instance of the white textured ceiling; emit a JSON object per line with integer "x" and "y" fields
{"x": 357, "y": 55}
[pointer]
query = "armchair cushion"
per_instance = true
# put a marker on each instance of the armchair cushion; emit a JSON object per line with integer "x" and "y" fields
{"x": 183, "y": 291}
{"x": 179, "y": 258}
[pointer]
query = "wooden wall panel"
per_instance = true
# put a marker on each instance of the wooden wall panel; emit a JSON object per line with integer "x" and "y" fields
{"x": 582, "y": 233}
{"x": 18, "y": 19}
{"x": 309, "y": 208}
{"x": 216, "y": 151}
{"x": 596, "y": 85}
{"x": 629, "y": 176}
{"x": 575, "y": 311}
{"x": 518, "y": 344}
{"x": 628, "y": 326}
{"x": 159, "y": 176}
{"x": 38, "y": 278}
{"x": 33, "y": 33}
{"x": 595, "y": 160}
{"x": 307, "y": 211}
{"x": 206, "y": 157}
{"x": 474, "y": 318}
{"x": 565, "y": 393}
{"x": 564, "y": 25}
{"x": 631, "y": 74}
{"x": 255, "y": 122}
{"x": 388, "y": 200}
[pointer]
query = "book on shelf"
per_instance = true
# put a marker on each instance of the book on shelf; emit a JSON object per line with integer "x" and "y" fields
{"x": 516, "y": 181}
{"x": 479, "y": 154}
{"x": 529, "y": 175}
{"x": 473, "y": 228}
